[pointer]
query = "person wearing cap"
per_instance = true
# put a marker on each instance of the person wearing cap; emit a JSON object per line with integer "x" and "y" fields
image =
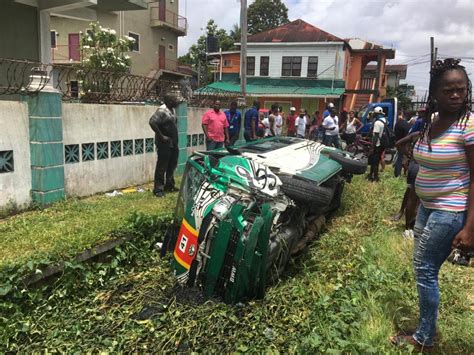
{"x": 376, "y": 151}
{"x": 290, "y": 122}
{"x": 331, "y": 126}
{"x": 328, "y": 109}
{"x": 300, "y": 124}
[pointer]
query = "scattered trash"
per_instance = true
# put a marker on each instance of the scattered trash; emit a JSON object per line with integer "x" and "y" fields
{"x": 113, "y": 193}
{"x": 158, "y": 245}
{"x": 125, "y": 191}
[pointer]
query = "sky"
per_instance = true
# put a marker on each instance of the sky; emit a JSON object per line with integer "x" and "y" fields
{"x": 405, "y": 25}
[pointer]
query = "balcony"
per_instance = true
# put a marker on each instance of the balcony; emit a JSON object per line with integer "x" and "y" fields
{"x": 168, "y": 19}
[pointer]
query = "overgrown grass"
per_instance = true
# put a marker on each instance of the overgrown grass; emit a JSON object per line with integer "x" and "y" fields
{"x": 69, "y": 227}
{"x": 348, "y": 293}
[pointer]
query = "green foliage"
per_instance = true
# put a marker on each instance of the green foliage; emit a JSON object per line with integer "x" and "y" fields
{"x": 67, "y": 228}
{"x": 265, "y": 15}
{"x": 404, "y": 102}
{"x": 197, "y": 56}
{"x": 350, "y": 290}
{"x": 103, "y": 50}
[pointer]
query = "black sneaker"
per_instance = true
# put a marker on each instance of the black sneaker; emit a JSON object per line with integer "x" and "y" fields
{"x": 159, "y": 194}
{"x": 171, "y": 189}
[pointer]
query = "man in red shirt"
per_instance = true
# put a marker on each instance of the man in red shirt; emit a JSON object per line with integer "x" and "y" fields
{"x": 290, "y": 122}
{"x": 215, "y": 127}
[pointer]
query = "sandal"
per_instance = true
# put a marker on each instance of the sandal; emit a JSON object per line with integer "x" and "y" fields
{"x": 402, "y": 340}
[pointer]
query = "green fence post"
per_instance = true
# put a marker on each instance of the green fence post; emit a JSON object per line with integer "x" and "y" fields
{"x": 182, "y": 116}
{"x": 46, "y": 147}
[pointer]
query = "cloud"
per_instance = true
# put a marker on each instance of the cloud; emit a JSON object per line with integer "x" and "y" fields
{"x": 405, "y": 25}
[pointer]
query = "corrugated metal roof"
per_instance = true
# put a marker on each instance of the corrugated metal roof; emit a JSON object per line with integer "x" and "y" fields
{"x": 296, "y": 31}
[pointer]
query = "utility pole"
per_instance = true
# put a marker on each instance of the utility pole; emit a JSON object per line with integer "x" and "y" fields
{"x": 243, "y": 47}
{"x": 435, "y": 55}
{"x": 432, "y": 51}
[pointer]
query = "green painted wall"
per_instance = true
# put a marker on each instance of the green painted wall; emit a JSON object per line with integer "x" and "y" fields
{"x": 46, "y": 147}
{"x": 19, "y": 27}
{"x": 182, "y": 115}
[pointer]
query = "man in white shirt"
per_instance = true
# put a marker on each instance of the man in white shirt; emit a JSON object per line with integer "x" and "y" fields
{"x": 300, "y": 124}
{"x": 331, "y": 125}
{"x": 377, "y": 150}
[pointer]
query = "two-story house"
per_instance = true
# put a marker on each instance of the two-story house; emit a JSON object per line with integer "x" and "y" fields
{"x": 296, "y": 64}
{"x": 155, "y": 29}
{"x": 300, "y": 65}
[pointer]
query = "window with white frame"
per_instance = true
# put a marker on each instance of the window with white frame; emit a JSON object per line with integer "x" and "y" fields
{"x": 136, "y": 43}
{"x": 264, "y": 64}
{"x": 291, "y": 66}
{"x": 250, "y": 65}
{"x": 54, "y": 34}
{"x": 312, "y": 67}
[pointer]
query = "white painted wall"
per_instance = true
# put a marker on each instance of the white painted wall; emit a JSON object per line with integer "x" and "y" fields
{"x": 92, "y": 123}
{"x": 194, "y": 125}
{"x": 15, "y": 186}
{"x": 326, "y": 53}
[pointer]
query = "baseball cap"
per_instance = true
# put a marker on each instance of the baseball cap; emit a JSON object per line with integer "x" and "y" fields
{"x": 302, "y": 110}
{"x": 331, "y": 105}
{"x": 292, "y": 108}
{"x": 378, "y": 109}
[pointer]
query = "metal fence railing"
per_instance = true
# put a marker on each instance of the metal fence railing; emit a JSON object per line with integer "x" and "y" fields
{"x": 82, "y": 84}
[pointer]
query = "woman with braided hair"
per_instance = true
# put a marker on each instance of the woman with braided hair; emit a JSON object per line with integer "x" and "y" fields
{"x": 445, "y": 185}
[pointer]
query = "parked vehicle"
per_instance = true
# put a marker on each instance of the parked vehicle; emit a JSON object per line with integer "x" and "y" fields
{"x": 365, "y": 114}
{"x": 243, "y": 212}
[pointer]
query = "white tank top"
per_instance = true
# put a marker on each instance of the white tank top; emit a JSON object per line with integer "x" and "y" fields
{"x": 351, "y": 128}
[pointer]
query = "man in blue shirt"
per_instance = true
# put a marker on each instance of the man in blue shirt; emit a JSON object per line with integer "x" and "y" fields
{"x": 235, "y": 121}
{"x": 327, "y": 112}
{"x": 251, "y": 122}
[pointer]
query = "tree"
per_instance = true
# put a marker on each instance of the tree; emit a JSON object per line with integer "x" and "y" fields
{"x": 404, "y": 102}
{"x": 103, "y": 50}
{"x": 264, "y": 15}
{"x": 197, "y": 54}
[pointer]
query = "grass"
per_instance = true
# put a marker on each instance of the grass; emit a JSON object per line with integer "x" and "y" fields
{"x": 69, "y": 227}
{"x": 348, "y": 293}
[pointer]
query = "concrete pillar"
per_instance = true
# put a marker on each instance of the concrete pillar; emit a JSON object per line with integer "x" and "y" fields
{"x": 182, "y": 116}
{"x": 46, "y": 147}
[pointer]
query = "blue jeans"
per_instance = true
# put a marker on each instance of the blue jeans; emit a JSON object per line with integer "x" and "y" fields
{"x": 434, "y": 233}
{"x": 332, "y": 140}
{"x": 211, "y": 145}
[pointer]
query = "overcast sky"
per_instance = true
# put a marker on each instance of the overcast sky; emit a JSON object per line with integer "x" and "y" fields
{"x": 405, "y": 25}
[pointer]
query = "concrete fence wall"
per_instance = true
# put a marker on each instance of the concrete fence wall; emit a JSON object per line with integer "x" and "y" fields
{"x": 49, "y": 149}
{"x": 15, "y": 172}
{"x": 106, "y": 147}
{"x": 195, "y": 135}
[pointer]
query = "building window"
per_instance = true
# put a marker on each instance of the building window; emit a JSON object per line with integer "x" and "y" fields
{"x": 312, "y": 67}
{"x": 250, "y": 65}
{"x": 136, "y": 43}
{"x": 227, "y": 63}
{"x": 170, "y": 47}
{"x": 264, "y": 62}
{"x": 53, "y": 39}
{"x": 291, "y": 66}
